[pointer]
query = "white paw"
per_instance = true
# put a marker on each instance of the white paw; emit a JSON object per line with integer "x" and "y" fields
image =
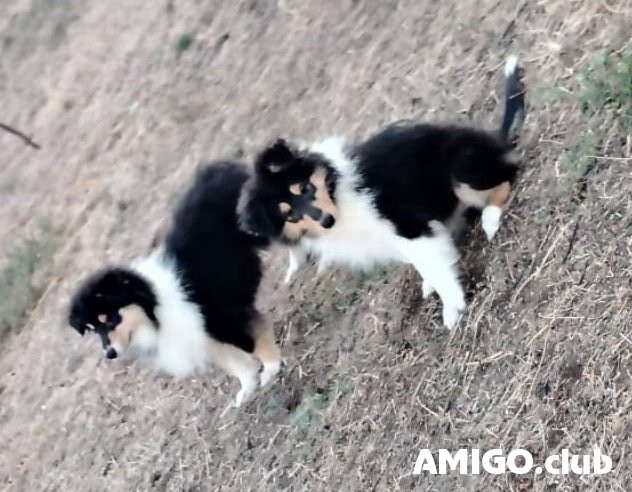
{"x": 323, "y": 266}
{"x": 452, "y": 314}
{"x": 290, "y": 272}
{"x": 269, "y": 372}
{"x": 451, "y": 317}
{"x": 491, "y": 220}
{"x": 244, "y": 394}
{"x": 426, "y": 289}
{"x": 241, "y": 397}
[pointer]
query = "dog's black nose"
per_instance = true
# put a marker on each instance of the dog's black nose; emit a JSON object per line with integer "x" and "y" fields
{"x": 327, "y": 221}
{"x": 111, "y": 353}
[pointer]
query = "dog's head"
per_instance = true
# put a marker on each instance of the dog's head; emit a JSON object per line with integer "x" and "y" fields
{"x": 116, "y": 304}
{"x": 290, "y": 195}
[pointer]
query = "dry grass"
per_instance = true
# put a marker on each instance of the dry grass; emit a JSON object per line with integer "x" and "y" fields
{"x": 541, "y": 361}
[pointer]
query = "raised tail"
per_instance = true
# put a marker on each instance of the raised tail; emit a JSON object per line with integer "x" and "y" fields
{"x": 513, "y": 117}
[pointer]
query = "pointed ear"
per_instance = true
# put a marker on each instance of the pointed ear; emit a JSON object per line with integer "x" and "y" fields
{"x": 276, "y": 158}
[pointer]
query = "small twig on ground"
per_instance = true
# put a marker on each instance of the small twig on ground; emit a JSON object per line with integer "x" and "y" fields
{"x": 608, "y": 158}
{"x": 18, "y": 133}
{"x": 571, "y": 242}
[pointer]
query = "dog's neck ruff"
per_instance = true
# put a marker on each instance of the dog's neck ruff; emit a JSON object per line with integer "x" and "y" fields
{"x": 333, "y": 150}
{"x": 360, "y": 237}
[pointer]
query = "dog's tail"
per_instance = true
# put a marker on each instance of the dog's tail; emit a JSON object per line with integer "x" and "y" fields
{"x": 513, "y": 117}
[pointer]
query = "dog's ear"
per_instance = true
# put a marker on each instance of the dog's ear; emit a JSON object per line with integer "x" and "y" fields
{"x": 80, "y": 329}
{"x": 276, "y": 158}
{"x": 254, "y": 218}
{"x": 77, "y": 313}
{"x": 75, "y": 321}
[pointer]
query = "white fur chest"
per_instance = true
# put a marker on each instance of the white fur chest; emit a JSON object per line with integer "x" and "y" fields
{"x": 360, "y": 238}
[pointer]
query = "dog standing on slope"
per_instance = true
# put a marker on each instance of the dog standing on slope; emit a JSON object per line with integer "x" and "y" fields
{"x": 393, "y": 197}
{"x": 192, "y": 301}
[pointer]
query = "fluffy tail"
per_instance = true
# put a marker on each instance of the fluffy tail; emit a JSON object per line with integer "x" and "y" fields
{"x": 513, "y": 116}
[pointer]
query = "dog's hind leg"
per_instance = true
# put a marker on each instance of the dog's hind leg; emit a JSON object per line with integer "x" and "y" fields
{"x": 435, "y": 258}
{"x": 491, "y": 201}
{"x": 492, "y": 212}
{"x": 240, "y": 364}
{"x": 266, "y": 349}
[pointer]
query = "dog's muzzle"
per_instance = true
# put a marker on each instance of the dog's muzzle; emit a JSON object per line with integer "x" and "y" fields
{"x": 326, "y": 220}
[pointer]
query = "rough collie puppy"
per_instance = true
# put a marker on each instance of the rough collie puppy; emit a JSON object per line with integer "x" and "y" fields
{"x": 191, "y": 302}
{"x": 393, "y": 197}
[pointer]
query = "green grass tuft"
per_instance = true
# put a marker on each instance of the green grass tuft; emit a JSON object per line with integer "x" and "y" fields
{"x": 577, "y": 161}
{"x": 606, "y": 81}
{"x": 313, "y": 406}
{"x": 19, "y": 290}
{"x": 310, "y": 409}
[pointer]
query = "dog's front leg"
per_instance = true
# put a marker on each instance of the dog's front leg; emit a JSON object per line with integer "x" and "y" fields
{"x": 296, "y": 259}
{"x": 435, "y": 258}
{"x": 426, "y": 289}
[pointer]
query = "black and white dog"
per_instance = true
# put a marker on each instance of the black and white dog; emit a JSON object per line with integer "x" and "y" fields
{"x": 393, "y": 197}
{"x": 191, "y": 302}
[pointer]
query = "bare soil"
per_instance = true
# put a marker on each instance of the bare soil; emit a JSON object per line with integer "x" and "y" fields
{"x": 542, "y": 360}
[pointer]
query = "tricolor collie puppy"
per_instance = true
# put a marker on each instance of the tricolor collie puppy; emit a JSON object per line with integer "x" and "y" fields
{"x": 393, "y": 197}
{"x": 191, "y": 302}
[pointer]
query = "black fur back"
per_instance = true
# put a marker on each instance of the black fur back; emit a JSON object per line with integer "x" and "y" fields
{"x": 218, "y": 264}
{"x": 411, "y": 170}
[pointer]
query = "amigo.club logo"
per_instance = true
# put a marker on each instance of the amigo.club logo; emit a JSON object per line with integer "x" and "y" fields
{"x": 518, "y": 461}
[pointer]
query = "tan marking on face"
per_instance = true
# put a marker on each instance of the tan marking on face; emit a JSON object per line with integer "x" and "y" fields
{"x": 323, "y": 201}
{"x": 296, "y": 230}
{"x": 292, "y": 231}
{"x": 481, "y": 198}
{"x": 102, "y": 318}
{"x": 133, "y": 317}
{"x": 284, "y": 207}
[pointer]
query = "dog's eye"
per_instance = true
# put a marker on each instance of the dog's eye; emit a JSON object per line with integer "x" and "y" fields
{"x": 306, "y": 187}
{"x": 113, "y": 320}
